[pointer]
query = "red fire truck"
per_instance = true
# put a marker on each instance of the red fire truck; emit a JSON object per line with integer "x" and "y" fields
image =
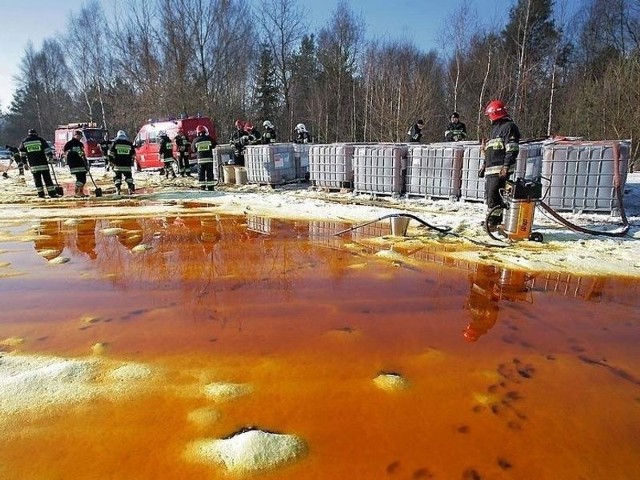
{"x": 146, "y": 141}
{"x": 91, "y": 138}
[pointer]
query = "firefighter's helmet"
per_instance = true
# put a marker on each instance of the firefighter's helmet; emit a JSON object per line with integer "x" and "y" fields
{"x": 121, "y": 135}
{"x": 201, "y": 130}
{"x": 496, "y": 110}
{"x": 267, "y": 124}
{"x": 239, "y": 124}
{"x": 32, "y": 131}
{"x": 301, "y": 128}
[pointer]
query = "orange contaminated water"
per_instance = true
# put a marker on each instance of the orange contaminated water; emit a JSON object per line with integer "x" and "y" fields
{"x": 510, "y": 375}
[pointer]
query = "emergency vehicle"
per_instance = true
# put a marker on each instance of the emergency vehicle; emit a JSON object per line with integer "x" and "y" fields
{"x": 92, "y": 136}
{"x": 146, "y": 141}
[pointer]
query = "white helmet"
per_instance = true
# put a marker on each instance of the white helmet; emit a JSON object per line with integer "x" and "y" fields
{"x": 301, "y": 128}
{"x": 121, "y": 135}
{"x": 267, "y": 124}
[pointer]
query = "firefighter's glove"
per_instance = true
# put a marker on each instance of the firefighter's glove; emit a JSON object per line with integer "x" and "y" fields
{"x": 481, "y": 172}
{"x": 504, "y": 172}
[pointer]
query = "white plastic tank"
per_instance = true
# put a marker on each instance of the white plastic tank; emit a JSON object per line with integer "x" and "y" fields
{"x": 579, "y": 176}
{"x": 380, "y": 168}
{"x": 270, "y": 164}
{"x": 434, "y": 170}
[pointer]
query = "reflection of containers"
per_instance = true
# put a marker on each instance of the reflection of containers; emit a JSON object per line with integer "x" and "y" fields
{"x": 323, "y": 233}
{"x": 301, "y": 156}
{"x": 379, "y": 168}
{"x": 259, "y": 224}
{"x": 270, "y": 164}
{"x": 579, "y": 176}
{"x": 433, "y": 170}
{"x": 241, "y": 175}
{"x": 331, "y": 165}
{"x": 229, "y": 174}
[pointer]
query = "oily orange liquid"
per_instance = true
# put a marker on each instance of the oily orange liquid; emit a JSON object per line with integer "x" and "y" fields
{"x": 511, "y": 375}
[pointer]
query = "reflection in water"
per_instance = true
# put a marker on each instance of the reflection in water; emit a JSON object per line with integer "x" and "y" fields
{"x": 308, "y": 320}
{"x": 49, "y": 241}
{"x": 490, "y": 285}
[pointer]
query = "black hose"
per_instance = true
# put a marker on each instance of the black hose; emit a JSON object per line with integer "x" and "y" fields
{"x": 443, "y": 230}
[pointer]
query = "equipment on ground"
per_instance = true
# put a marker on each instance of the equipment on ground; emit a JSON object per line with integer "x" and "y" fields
{"x": 520, "y": 198}
{"x": 58, "y": 189}
{"x": 97, "y": 189}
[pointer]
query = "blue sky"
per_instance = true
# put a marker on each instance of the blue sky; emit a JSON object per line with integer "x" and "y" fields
{"x": 424, "y": 22}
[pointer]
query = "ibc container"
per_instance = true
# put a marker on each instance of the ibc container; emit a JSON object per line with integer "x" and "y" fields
{"x": 529, "y": 162}
{"x": 579, "y": 176}
{"x": 528, "y": 166}
{"x": 472, "y": 187}
{"x": 301, "y": 155}
{"x": 270, "y": 164}
{"x": 380, "y": 168}
{"x": 434, "y": 170}
{"x": 331, "y": 165}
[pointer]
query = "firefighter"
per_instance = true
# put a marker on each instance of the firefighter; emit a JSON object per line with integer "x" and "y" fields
{"x": 183, "y": 146}
{"x": 500, "y": 154}
{"x": 37, "y": 153}
{"x": 122, "y": 154}
{"x": 104, "y": 148}
{"x": 255, "y": 137}
{"x": 456, "y": 130}
{"x": 166, "y": 155}
{"x": 203, "y": 146}
{"x": 269, "y": 135}
{"x": 239, "y": 139}
{"x": 75, "y": 159}
{"x": 414, "y": 135}
{"x": 302, "y": 135}
{"x": 15, "y": 157}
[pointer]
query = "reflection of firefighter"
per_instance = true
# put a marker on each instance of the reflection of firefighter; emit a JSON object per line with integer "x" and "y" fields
{"x": 209, "y": 233}
{"x": 49, "y": 243}
{"x": 489, "y": 285}
{"x": 132, "y": 234}
{"x": 86, "y": 237}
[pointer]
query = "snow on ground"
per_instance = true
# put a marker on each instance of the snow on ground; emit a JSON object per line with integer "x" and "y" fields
{"x": 562, "y": 249}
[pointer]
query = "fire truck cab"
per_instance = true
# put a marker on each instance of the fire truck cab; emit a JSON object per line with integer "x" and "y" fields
{"x": 146, "y": 141}
{"x": 92, "y": 136}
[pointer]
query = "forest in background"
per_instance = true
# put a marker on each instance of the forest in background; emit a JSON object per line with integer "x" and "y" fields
{"x": 575, "y": 75}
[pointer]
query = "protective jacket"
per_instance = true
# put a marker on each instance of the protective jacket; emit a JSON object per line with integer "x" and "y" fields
{"x": 455, "y": 132}
{"x": 182, "y": 144}
{"x": 414, "y": 134}
{"x": 35, "y": 150}
{"x": 302, "y": 137}
{"x": 203, "y": 146}
{"x": 269, "y": 136}
{"x": 502, "y": 148}
{"x": 74, "y": 150}
{"x": 122, "y": 152}
{"x": 255, "y": 137}
{"x": 166, "y": 148}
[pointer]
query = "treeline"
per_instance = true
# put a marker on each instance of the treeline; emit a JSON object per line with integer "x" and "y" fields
{"x": 560, "y": 74}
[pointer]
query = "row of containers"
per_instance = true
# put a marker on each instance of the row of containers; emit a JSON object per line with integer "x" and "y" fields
{"x": 576, "y": 175}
